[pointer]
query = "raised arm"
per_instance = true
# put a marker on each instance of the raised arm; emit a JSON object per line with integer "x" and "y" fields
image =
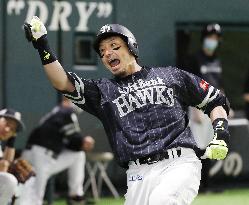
{"x": 57, "y": 76}
{"x": 36, "y": 33}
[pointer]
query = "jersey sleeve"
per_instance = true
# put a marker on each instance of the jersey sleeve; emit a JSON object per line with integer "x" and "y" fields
{"x": 86, "y": 94}
{"x": 198, "y": 93}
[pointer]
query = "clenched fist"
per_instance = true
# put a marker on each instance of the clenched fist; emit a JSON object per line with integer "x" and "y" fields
{"x": 217, "y": 149}
{"x": 36, "y": 32}
{"x": 35, "y": 29}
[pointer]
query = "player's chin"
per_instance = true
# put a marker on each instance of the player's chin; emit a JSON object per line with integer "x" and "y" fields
{"x": 119, "y": 73}
{"x": 115, "y": 70}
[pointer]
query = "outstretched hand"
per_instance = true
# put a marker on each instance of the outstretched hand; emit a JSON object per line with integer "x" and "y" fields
{"x": 35, "y": 29}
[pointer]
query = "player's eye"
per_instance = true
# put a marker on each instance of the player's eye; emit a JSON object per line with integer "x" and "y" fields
{"x": 116, "y": 48}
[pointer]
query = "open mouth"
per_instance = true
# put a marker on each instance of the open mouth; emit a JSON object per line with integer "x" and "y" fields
{"x": 114, "y": 62}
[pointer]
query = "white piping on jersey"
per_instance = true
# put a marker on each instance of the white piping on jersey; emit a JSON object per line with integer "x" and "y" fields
{"x": 69, "y": 129}
{"x": 204, "y": 102}
{"x": 214, "y": 96}
{"x": 208, "y": 99}
{"x": 79, "y": 86}
{"x": 72, "y": 127}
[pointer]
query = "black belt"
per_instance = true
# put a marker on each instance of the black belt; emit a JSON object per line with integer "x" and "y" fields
{"x": 159, "y": 157}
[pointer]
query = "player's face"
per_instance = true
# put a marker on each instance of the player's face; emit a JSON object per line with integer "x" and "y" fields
{"x": 116, "y": 56}
{"x": 7, "y": 128}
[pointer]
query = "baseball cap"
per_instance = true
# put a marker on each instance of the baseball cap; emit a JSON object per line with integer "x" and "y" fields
{"x": 210, "y": 29}
{"x": 15, "y": 115}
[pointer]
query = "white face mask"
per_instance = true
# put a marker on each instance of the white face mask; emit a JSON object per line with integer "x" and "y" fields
{"x": 210, "y": 44}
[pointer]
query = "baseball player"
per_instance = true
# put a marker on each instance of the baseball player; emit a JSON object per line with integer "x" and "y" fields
{"x": 144, "y": 113}
{"x": 57, "y": 144}
{"x": 10, "y": 124}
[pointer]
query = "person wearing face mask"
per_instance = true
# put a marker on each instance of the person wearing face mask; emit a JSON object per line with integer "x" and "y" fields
{"x": 210, "y": 65}
{"x": 57, "y": 144}
{"x": 207, "y": 65}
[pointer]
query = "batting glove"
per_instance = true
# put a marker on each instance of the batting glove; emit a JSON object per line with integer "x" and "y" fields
{"x": 35, "y": 29}
{"x": 218, "y": 147}
{"x": 36, "y": 32}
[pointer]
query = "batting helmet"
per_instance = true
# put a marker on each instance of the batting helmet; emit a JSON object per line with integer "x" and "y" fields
{"x": 116, "y": 29}
{"x": 211, "y": 29}
{"x": 13, "y": 114}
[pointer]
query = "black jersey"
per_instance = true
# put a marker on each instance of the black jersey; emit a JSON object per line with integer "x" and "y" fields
{"x": 57, "y": 130}
{"x": 145, "y": 113}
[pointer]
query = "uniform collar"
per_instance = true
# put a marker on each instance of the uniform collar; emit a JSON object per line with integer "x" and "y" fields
{"x": 143, "y": 72}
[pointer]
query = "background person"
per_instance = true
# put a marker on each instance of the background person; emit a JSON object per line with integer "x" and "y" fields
{"x": 10, "y": 125}
{"x": 57, "y": 144}
{"x": 206, "y": 62}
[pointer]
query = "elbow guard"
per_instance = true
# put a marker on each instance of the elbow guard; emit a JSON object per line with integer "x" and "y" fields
{"x": 221, "y": 100}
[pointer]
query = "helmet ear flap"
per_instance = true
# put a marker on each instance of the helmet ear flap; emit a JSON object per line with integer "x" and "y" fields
{"x": 133, "y": 46}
